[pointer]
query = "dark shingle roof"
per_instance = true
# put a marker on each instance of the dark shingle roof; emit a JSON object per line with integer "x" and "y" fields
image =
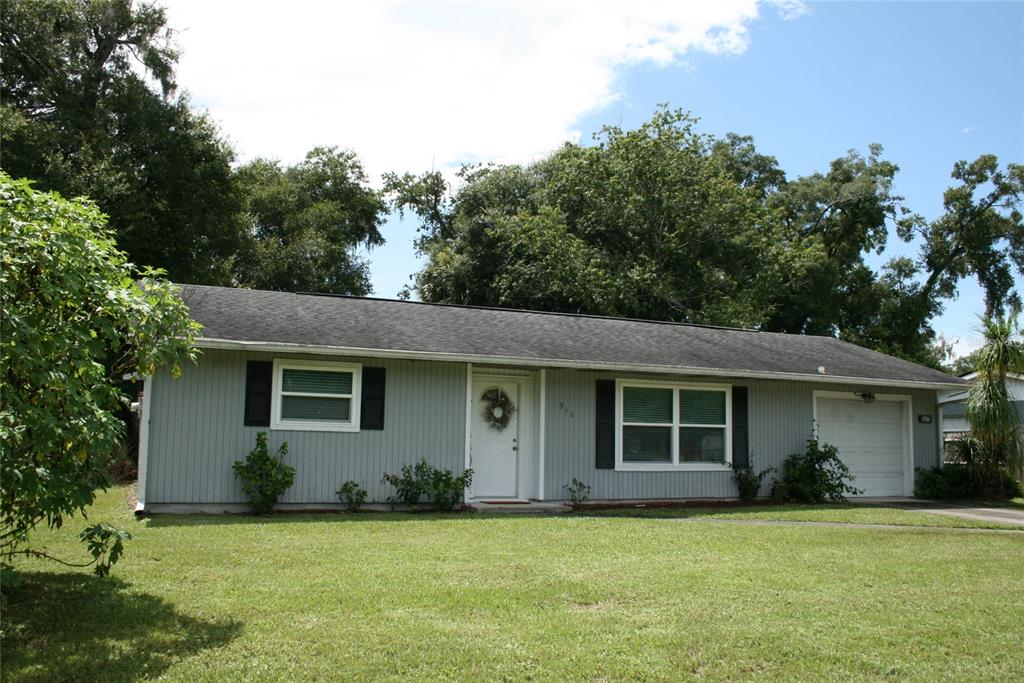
{"x": 282, "y": 318}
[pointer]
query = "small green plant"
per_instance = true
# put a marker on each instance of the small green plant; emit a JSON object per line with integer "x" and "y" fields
{"x": 441, "y": 487}
{"x": 447, "y": 490}
{"x": 408, "y": 484}
{"x": 264, "y": 477}
{"x": 352, "y": 495}
{"x": 747, "y": 483}
{"x": 106, "y": 545}
{"x": 578, "y": 493}
{"x": 814, "y": 476}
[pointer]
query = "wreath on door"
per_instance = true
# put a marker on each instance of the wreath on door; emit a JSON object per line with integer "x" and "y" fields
{"x": 498, "y": 408}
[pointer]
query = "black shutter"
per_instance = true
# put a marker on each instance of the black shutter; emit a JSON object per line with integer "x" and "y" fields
{"x": 371, "y": 408}
{"x": 740, "y": 442}
{"x": 605, "y": 454}
{"x": 258, "y": 375}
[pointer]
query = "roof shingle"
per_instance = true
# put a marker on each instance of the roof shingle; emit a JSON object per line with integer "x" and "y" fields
{"x": 283, "y": 318}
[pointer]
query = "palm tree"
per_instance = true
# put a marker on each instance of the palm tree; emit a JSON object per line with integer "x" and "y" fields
{"x": 992, "y": 416}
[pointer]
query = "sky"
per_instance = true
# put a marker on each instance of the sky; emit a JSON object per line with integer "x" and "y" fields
{"x": 417, "y": 86}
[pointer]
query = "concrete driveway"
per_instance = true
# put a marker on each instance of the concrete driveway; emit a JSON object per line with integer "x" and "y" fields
{"x": 980, "y": 513}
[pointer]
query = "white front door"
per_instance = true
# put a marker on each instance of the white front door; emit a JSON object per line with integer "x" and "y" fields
{"x": 494, "y": 449}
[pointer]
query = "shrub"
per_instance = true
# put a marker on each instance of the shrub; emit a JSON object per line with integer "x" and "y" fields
{"x": 445, "y": 489}
{"x": 264, "y": 477}
{"x": 747, "y": 483}
{"x": 814, "y": 476}
{"x": 961, "y": 481}
{"x": 409, "y": 485}
{"x": 942, "y": 483}
{"x": 578, "y": 492}
{"x": 352, "y": 495}
{"x": 441, "y": 487}
{"x": 1012, "y": 486}
{"x": 76, "y": 317}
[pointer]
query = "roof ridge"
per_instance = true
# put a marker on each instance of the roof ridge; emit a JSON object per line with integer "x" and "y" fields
{"x": 496, "y": 308}
{"x": 529, "y": 310}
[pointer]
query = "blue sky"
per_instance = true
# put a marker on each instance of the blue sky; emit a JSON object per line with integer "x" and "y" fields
{"x": 416, "y": 86}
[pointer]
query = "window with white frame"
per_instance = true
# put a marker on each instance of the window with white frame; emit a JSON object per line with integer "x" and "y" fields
{"x": 316, "y": 396}
{"x": 673, "y": 426}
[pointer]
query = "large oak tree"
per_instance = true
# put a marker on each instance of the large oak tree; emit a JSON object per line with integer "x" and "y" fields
{"x": 89, "y": 108}
{"x": 665, "y": 223}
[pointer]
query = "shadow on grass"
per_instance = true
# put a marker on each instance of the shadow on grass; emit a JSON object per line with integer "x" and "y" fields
{"x": 77, "y": 627}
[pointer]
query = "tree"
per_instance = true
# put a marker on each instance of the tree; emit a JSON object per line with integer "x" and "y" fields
{"x": 646, "y": 223}
{"x": 80, "y": 118}
{"x": 840, "y": 216}
{"x": 981, "y": 233}
{"x": 664, "y": 223}
{"x": 305, "y": 222}
{"x": 658, "y": 222}
{"x": 964, "y": 364}
{"x": 990, "y": 412}
{"x": 76, "y": 316}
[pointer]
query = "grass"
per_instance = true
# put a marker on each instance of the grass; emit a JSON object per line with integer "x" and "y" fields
{"x": 474, "y": 597}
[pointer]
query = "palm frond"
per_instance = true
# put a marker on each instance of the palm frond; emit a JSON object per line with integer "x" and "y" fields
{"x": 990, "y": 412}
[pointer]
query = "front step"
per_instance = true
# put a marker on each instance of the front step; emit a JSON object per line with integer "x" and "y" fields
{"x": 511, "y": 507}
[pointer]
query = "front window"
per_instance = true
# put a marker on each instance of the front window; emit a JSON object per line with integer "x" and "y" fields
{"x": 316, "y": 396}
{"x": 673, "y": 426}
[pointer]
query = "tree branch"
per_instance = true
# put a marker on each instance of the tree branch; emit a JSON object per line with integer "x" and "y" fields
{"x": 46, "y": 556}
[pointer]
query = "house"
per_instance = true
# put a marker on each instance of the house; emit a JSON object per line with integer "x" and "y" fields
{"x": 637, "y": 410}
{"x": 953, "y": 407}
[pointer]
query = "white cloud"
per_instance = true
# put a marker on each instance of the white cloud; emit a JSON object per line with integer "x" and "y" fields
{"x": 968, "y": 130}
{"x": 409, "y": 86}
{"x": 790, "y": 9}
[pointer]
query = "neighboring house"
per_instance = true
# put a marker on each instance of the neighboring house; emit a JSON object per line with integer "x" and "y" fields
{"x": 953, "y": 407}
{"x": 638, "y": 410}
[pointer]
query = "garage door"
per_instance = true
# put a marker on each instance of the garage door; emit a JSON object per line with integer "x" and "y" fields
{"x": 870, "y": 438}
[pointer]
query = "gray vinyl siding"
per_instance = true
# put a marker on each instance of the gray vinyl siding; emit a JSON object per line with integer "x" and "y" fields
{"x": 780, "y": 421}
{"x": 196, "y": 432}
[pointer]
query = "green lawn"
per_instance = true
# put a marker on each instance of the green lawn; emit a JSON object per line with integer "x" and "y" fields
{"x": 473, "y": 597}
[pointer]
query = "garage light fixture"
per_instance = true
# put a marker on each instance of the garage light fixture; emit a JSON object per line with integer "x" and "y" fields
{"x": 865, "y": 396}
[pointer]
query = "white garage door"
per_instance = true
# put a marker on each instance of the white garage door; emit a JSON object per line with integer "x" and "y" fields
{"x": 870, "y": 438}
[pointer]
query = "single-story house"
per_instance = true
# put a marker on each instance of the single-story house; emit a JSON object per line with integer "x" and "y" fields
{"x": 637, "y": 410}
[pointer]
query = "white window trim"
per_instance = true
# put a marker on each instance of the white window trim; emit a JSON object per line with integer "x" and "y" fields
{"x": 675, "y": 465}
{"x": 280, "y": 365}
